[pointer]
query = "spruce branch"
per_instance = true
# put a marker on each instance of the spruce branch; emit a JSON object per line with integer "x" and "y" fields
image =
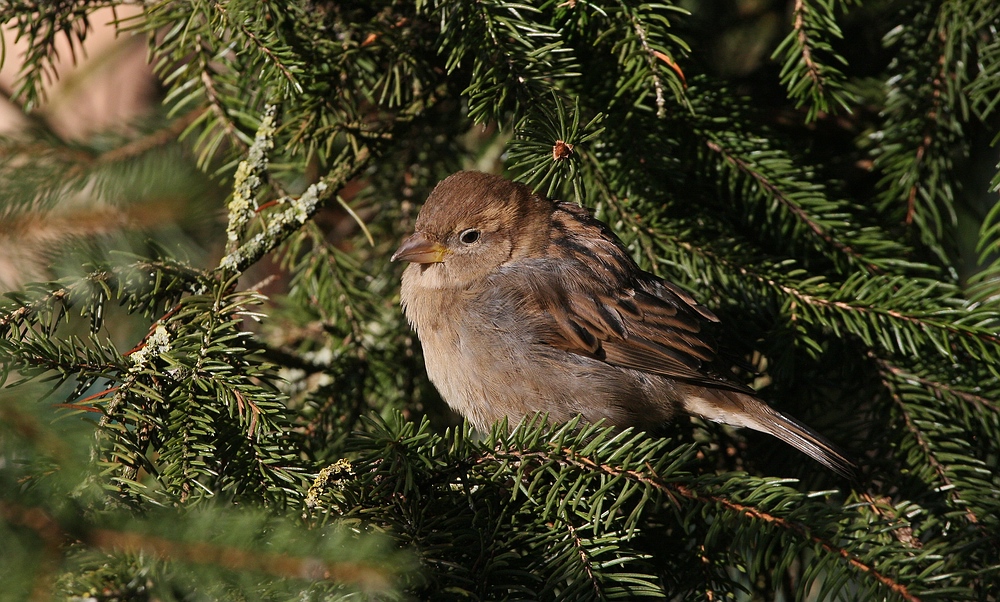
{"x": 570, "y": 471}
{"x": 956, "y": 467}
{"x": 280, "y": 57}
{"x": 561, "y": 132}
{"x": 941, "y": 323}
{"x": 522, "y": 58}
{"x": 651, "y": 56}
{"x": 938, "y": 388}
{"x": 808, "y": 59}
{"x": 940, "y": 471}
{"x": 369, "y": 578}
{"x": 82, "y": 160}
{"x": 799, "y": 13}
{"x": 895, "y": 313}
{"x": 678, "y": 492}
{"x": 923, "y": 136}
{"x": 129, "y": 281}
{"x": 42, "y": 25}
{"x": 644, "y": 49}
{"x": 156, "y": 139}
{"x": 792, "y": 200}
{"x": 311, "y": 561}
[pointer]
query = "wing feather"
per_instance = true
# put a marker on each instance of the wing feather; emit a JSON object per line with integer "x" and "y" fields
{"x": 593, "y": 300}
{"x": 661, "y": 335}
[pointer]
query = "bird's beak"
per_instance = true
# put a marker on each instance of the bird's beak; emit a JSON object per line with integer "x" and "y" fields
{"x": 417, "y": 248}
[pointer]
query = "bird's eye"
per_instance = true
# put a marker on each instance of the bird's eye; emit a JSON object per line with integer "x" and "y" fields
{"x": 469, "y": 236}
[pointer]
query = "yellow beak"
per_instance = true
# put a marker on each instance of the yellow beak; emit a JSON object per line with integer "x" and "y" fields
{"x": 417, "y": 248}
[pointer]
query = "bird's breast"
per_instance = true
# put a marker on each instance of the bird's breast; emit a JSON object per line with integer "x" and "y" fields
{"x": 454, "y": 355}
{"x": 486, "y": 356}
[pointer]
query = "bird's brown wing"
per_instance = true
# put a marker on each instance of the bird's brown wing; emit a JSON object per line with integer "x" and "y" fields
{"x": 660, "y": 334}
{"x": 592, "y": 299}
{"x": 646, "y": 325}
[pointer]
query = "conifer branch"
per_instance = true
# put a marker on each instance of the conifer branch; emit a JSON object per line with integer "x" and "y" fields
{"x": 813, "y": 82}
{"x": 370, "y": 578}
{"x": 751, "y": 512}
{"x": 938, "y": 388}
{"x": 651, "y": 60}
{"x": 926, "y": 140}
{"x": 939, "y": 470}
{"x": 260, "y": 46}
{"x": 793, "y": 207}
{"x": 799, "y": 11}
{"x": 585, "y": 559}
{"x": 677, "y": 491}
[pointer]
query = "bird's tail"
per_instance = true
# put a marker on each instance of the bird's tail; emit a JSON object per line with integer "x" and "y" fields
{"x": 741, "y": 409}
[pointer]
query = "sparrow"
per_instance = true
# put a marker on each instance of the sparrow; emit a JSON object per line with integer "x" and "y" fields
{"x": 523, "y": 305}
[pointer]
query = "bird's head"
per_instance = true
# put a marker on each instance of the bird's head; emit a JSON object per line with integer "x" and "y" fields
{"x": 473, "y": 223}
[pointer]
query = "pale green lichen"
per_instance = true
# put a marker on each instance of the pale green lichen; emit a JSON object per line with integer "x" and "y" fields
{"x": 156, "y": 345}
{"x": 331, "y": 476}
{"x": 292, "y": 216}
{"x": 247, "y": 179}
{"x": 231, "y": 262}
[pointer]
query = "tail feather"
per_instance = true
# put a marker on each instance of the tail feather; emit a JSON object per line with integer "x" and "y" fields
{"x": 811, "y": 443}
{"x": 740, "y": 409}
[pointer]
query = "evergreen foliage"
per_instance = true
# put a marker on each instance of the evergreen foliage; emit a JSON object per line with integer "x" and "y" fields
{"x": 236, "y": 409}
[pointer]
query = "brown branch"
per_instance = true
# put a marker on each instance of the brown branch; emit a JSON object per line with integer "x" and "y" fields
{"x": 841, "y": 305}
{"x": 584, "y": 558}
{"x": 928, "y": 135}
{"x": 885, "y": 370}
{"x": 260, "y": 45}
{"x": 750, "y": 512}
{"x": 81, "y": 404}
{"x": 651, "y": 56}
{"x": 820, "y": 302}
{"x": 368, "y": 577}
{"x": 798, "y": 23}
{"x": 744, "y": 168}
{"x": 80, "y": 367}
{"x": 155, "y": 139}
{"x": 674, "y": 491}
{"x": 938, "y": 387}
{"x": 128, "y": 150}
{"x": 212, "y": 95}
{"x": 803, "y": 531}
{"x": 928, "y": 452}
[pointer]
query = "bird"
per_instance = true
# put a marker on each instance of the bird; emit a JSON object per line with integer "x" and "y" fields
{"x": 527, "y": 305}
